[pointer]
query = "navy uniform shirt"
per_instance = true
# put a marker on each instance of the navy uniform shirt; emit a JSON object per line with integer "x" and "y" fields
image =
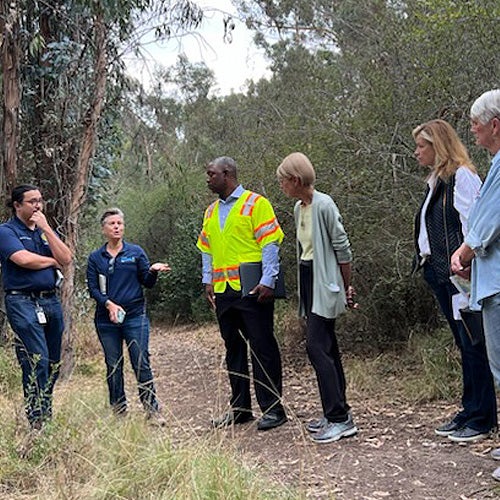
{"x": 15, "y": 236}
{"x": 119, "y": 280}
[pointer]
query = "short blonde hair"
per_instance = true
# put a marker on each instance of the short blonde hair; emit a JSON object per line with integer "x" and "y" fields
{"x": 297, "y": 165}
{"x": 450, "y": 152}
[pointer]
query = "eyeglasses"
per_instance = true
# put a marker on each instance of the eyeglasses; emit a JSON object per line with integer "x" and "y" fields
{"x": 34, "y": 201}
{"x": 111, "y": 265}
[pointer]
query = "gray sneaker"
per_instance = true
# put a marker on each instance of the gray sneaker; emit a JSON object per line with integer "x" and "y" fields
{"x": 495, "y": 454}
{"x": 316, "y": 425}
{"x": 334, "y": 431}
{"x": 467, "y": 434}
{"x": 448, "y": 428}
{"x": 496, "y": 474}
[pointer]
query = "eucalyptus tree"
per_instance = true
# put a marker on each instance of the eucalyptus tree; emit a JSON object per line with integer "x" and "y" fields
{"x": 67, "y": 64}
{"x": 393, "y": 64}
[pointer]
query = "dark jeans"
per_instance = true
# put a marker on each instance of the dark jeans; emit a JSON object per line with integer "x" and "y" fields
{"x": 323, "y": 351}
{"x": 38, "y": 350}
{"x": 478, "y": 393}
{"x": 243, "y": 320}
{"x": 134, "y": 331}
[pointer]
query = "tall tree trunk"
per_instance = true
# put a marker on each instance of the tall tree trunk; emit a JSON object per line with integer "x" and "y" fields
{"x": 9, "y": 31}
{"x": 78, "y": 194}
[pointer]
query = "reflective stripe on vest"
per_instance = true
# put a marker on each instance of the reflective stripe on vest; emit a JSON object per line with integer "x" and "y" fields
{"x": 266, "y": 229}
{"x": 249, "y": 204}
{"x": 203, "y": 239}
{"x": 210, "y": 209}
{"x": 226, "y": 274}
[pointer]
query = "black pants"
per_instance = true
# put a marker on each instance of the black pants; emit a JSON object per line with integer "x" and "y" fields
{"x": 323, "y": 351}
{"x": 241, "y": 320}
{"x": 478, "y": 390}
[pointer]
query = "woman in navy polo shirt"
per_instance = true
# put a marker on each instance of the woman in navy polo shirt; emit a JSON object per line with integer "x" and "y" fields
{"x": 116, "y": 273}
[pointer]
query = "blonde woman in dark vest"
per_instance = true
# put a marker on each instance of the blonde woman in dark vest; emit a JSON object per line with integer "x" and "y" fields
{"x": 440, "y": 228}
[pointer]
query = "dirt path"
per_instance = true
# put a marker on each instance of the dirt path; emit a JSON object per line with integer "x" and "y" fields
{"x": 395, "y": 454}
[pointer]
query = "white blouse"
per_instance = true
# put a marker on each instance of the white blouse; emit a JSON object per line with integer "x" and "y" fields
{"x": 467, "y": 185}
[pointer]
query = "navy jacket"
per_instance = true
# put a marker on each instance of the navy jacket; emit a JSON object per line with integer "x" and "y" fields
{"x": 119, "y": 280}
{"x": 15, "y": 236}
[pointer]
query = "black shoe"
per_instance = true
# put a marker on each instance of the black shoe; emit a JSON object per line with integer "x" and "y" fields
{"x": 232, "y": 418}
{"x": 271, "y": 420}
{"x": 448, "y": 428}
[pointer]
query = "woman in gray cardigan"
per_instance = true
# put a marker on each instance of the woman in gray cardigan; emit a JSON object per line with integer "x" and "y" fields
{"x": 324, "y": 271}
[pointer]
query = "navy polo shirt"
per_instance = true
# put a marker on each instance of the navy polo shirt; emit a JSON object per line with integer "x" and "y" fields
{"x": 121, "y": 279}
{"x": 15, "y": 236}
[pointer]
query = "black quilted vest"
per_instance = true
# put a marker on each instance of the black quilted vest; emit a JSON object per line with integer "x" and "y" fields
{"x": 444, "y": 228}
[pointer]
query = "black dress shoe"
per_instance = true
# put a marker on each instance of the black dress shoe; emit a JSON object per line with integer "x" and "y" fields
{"x": 232, "y": 418}
{"x": 271, "y": 420}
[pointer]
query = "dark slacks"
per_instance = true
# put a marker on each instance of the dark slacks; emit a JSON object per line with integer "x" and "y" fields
{"x": 323, "y": 351}
{"x": 245, "y": 322}
{"x": 478, "y": 393}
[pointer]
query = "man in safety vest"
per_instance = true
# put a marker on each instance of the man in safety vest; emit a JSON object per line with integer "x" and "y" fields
{"x": 240, "y": 227}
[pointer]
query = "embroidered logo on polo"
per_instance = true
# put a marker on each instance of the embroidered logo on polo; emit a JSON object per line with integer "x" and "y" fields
{"x": 127, "y": 260}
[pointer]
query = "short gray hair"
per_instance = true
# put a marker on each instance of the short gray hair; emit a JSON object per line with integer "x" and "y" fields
{"x": 486, "y": 107}
{"x": 109, "y": 212}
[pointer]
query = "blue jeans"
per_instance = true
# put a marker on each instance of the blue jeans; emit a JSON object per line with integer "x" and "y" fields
{"x": 38, "y": 350}
{"x": 134, "y": 331}
{"x": 478, "y": 391}
{"x": 491, "y": 322}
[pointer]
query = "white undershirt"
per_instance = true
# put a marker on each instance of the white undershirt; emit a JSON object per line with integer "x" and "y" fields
{"x": 466, "y": 190}
{"x": 467, "y": 185}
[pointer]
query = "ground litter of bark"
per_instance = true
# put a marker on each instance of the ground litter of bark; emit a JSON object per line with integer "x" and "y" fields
{"x": 395, "y": 454}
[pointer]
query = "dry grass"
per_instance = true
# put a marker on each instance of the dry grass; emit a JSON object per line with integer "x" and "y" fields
{"x": 87, "y": 453}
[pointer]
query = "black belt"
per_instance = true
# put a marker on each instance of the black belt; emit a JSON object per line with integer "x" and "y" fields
{"x": 34, "y": 295}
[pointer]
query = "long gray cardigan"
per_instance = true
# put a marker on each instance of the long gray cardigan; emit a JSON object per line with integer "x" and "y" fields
{"x": 330, "y": 247}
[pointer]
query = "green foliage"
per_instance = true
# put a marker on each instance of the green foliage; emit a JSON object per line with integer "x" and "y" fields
{"x": 350, "y": 80}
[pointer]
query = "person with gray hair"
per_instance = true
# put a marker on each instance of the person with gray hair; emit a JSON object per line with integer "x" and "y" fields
{"x": 440, "y": 227}
{"x": 481, "y": 247}
{"x": 116, "y": 275}
{"x": 324, "y": 287}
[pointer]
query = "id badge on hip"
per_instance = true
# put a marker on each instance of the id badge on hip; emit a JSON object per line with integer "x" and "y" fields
{"x": 40, "y": 315}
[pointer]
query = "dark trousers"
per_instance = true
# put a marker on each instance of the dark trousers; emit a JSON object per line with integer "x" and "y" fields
{"x": 244, "y": 322}
{"x": 323, "y": 351}
{"x": 478, "y": 393}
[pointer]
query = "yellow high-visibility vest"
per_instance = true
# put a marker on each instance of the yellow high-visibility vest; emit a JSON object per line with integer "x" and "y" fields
{"x": 250, "y": 226}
